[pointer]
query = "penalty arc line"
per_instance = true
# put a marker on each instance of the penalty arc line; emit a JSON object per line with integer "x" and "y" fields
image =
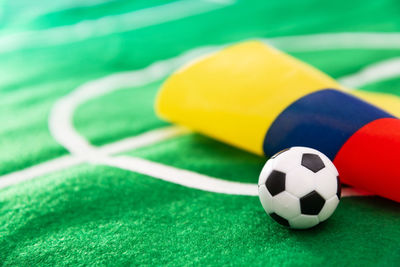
{"x": 114, "y": 83}
{"x": 61, "y": 115}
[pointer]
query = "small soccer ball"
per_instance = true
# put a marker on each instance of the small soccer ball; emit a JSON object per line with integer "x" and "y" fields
{"x": 299, "y": 187}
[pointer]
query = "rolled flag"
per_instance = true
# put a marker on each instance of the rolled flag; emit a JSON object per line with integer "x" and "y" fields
{"x": 259, "y": 99}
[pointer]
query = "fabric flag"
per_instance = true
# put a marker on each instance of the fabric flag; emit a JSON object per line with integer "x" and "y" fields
{"x": 259, "y": 99}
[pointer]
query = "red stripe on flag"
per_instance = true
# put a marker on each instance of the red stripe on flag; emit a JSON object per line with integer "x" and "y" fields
{"x": 370, "y": 158}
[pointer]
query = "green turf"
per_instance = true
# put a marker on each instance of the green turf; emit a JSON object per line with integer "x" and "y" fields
{"x": 113, "y": 108}
{"x": 142, "y": 220}
{"x": 390, "y": 86}
{"x": 332, "y": 61}
{"x": 98, "y": 215}
{"x": 199, "y": 153}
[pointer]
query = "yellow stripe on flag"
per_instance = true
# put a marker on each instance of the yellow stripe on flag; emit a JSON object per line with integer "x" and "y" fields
{"x": 235, "y": 94}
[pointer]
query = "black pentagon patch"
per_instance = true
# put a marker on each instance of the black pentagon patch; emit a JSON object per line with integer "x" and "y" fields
{"x": 279, "y": 219}
{"x": 312, "y": 162}
{"x": 339, "y": 188}
{"x": 275, "y": 182}
{"x": 280, "y": 152}
{"x": 312, "y": 203}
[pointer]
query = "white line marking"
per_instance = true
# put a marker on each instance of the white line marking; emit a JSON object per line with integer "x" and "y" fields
{"x": 192, "y": 179}
{"x": 64, "y": 162}
{"x": 60, "y": 120}
{"x": 380, "y": 71}
{"x": 178, "y": 176}
{"x": 344, "y": 40}
{"x": 61, "y": 127}
{"x": 121, "y": 23}
{"x": 146, "y": 139}
{"x": 107, "y": 25}
{"x": 160, "y": 171}
{"x": 39, "y": 170}
{"x": 32, "y": 12}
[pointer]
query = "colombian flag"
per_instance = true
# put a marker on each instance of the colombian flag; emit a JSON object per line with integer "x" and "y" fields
{"x": 259, "y": 99}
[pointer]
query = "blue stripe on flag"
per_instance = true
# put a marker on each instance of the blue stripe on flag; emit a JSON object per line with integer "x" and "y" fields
{"x": 322, "y": 120}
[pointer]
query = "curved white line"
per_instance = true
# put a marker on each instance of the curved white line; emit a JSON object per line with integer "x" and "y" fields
{"x": 61, "y": 115}
{"x": 178, "y": 176}
{"x": 60, "y": 122}
{"x": 160, "y": 171}
{"x": 192, "y": 179}
{"x": 382, "y": 70}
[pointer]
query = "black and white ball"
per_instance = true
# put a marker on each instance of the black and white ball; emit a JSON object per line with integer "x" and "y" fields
{"x": 299, "y": 187}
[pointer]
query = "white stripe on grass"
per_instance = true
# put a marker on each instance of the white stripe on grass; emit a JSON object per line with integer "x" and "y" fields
{"x": 107, "y": 25}
{"x": 38, "y": 170}
{"x": 127, "y": 22}
{"x": 64, "y": 162}
{"x": 61, "y": 121}
{"x": 193, "y": 179}
{"x": 35, "y": 11}
{"x": 179, "y": 176}
{"x": 344, "y": 40}
{"x": 156, "y": 170}
{"x": 62, "y": 129}
{"x": 380, "y": 71}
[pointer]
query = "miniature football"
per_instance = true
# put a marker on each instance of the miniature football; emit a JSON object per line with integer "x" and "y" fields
{"x": 299, "y": 187}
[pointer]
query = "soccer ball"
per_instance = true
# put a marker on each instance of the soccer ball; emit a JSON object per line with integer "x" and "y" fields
{"x": 299, "y": 187}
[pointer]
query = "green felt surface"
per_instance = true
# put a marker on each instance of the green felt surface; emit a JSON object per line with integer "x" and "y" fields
{"x": 144, "y": 220}
{"x": 93, "y": 214}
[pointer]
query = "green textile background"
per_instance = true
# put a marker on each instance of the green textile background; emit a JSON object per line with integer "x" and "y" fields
{"x": 92, "y": 214}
